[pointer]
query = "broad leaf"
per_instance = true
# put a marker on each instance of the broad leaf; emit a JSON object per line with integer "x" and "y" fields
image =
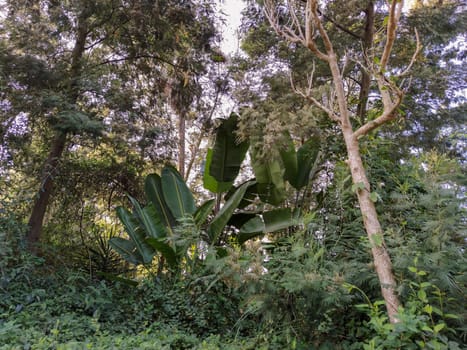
{"x": 306, "y": 157}
{"x": 250, "y": 194}
{"x": 136, "y": 234}
{"x": 280, "y": 219}
{"x": 153, "y": 189}
{"x": 209, "y": 182}
{"x": 224, "y": 215}
{"x": 252, "y": 228}
{"x": 271, "y": 221}
{"x": 203, "y": 212}
{"x": 165, "y": 250}
{"x": 289, "y": 159}
{"x": 270, "y": 179}
{"x": 239, "y": 219}
{"x": 127, "y": 249}
{"x": 228, "y": 154}
{"x": 177, "y": 195}
{"x": 149, "y": 220}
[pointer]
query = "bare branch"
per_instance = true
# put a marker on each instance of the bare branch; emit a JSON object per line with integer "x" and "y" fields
{"x": 313, "y": 6}
{"x": 394, "y": 15}
{"x": 414, "y": 56}
{"x": 288, "y": 33}
{"x": 307, "y": 95}
{"x": 295, "y": 20}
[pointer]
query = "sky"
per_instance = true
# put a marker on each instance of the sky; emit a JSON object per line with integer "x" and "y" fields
{"x": 232, "y": 10}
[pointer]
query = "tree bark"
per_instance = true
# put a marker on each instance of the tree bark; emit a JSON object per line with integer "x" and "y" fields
{"x": 36, "y": 220}
{"x": 42, "y": 200}
{"x": 181, "y": 144}
{"x": 367, "y": 43}
{"x": 381, "y": 259}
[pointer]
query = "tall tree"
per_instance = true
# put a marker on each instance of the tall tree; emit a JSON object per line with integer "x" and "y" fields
{"x": 304, "y": 24}
{"x": 114, "y": 74}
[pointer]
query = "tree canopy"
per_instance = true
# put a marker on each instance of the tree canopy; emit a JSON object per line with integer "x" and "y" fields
{"x": 305, "y": 192}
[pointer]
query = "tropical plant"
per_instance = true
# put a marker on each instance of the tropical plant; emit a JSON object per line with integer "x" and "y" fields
{"x": 285, "y": 163}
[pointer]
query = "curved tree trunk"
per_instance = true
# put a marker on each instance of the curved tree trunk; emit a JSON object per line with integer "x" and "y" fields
{"x": 367, "y": 43}
{"x": 40, "y": 206}
{"x": 57, "y": 147}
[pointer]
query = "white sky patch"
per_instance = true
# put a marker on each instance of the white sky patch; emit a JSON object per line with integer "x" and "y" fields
{"x": 232, "y": 10}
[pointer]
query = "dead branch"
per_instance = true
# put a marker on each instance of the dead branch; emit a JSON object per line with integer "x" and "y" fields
{"x": 307, "y": 95}
{"x": 414, "y": 56}
{"x": 394, "y": 15}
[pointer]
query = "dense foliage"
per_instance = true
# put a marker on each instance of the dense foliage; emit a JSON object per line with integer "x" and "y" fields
{"x": 132, "y": 218}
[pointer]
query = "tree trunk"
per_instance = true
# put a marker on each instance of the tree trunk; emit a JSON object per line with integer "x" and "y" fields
{"x": 381, "y": 259}
{"x": 181, "y": 144}
{"x": 57, "y": 147}
{"x": 367, "y": 43}
{"x": 40, "y": 206}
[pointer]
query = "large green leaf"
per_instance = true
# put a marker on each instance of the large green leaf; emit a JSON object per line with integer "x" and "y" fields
{"x": 223, "y": 216}
{"x": 306, "y": 157}
{"x": 270, "y": 177}
{"x": 149, "y": 219}
{"x": 209, "y": 182}
{"x": 252, "y": 228}
{"x": 250, "y": 194}
{"x": 203, "y": 212}
{"x": 280, "y": 219}
{"x": 289, "y": 159}
{"x": 239, "y": 219}
{"x": 177, "y": 195}
{"x": 269, "y": 221}
{"x": 165, "y": 250}
{"x": 153, "y": 189}
{"x": 136, "y": 234}
{"x": 127, "y": 249}
{"x": 228, "y": 154}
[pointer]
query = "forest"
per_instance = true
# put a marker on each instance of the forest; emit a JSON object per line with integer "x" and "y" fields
{"x": 306, "y": 191}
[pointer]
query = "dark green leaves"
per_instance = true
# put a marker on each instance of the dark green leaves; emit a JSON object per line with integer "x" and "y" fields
{"x": 299, "y": 164}
{"x": 223, "y": 216}
{"x": 176, "y": 193}
{"x": 209, "y": 182}
{"x": 227, "y": 154}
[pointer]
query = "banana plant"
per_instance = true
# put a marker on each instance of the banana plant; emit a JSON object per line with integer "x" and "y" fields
{"x": 152, "y": 229}
{"x": 287, "y": 164}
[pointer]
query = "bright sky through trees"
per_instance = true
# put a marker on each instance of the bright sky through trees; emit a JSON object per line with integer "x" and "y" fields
{"x": 232, "y": 10}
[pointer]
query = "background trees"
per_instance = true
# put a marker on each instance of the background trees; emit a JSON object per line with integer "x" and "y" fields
{"x": 97, "y": 95}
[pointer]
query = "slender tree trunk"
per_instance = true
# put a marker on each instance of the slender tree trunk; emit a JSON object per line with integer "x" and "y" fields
{"x": 367, "y": 43}
{"x": 391, "y": 97}
{"x": 57, "y": 147}
{"x": 181, "y": 144}
{"x": 381, "y": 259}
{"x": 43, "y": 196}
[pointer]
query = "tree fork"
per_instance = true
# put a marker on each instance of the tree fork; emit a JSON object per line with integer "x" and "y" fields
{"x": 305, "y": 30}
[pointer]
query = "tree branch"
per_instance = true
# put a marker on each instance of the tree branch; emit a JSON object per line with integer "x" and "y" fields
{"x": 394, "y": 15}
{"x": 310, "y": 98}
{"x": 389, "y": 113}
{"x": 414, "y": 56}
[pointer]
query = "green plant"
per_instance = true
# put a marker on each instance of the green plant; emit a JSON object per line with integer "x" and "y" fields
{"x": 422, "y": 321}
{"x": 162, "y": 225}
{"x": 284, "y": 163}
